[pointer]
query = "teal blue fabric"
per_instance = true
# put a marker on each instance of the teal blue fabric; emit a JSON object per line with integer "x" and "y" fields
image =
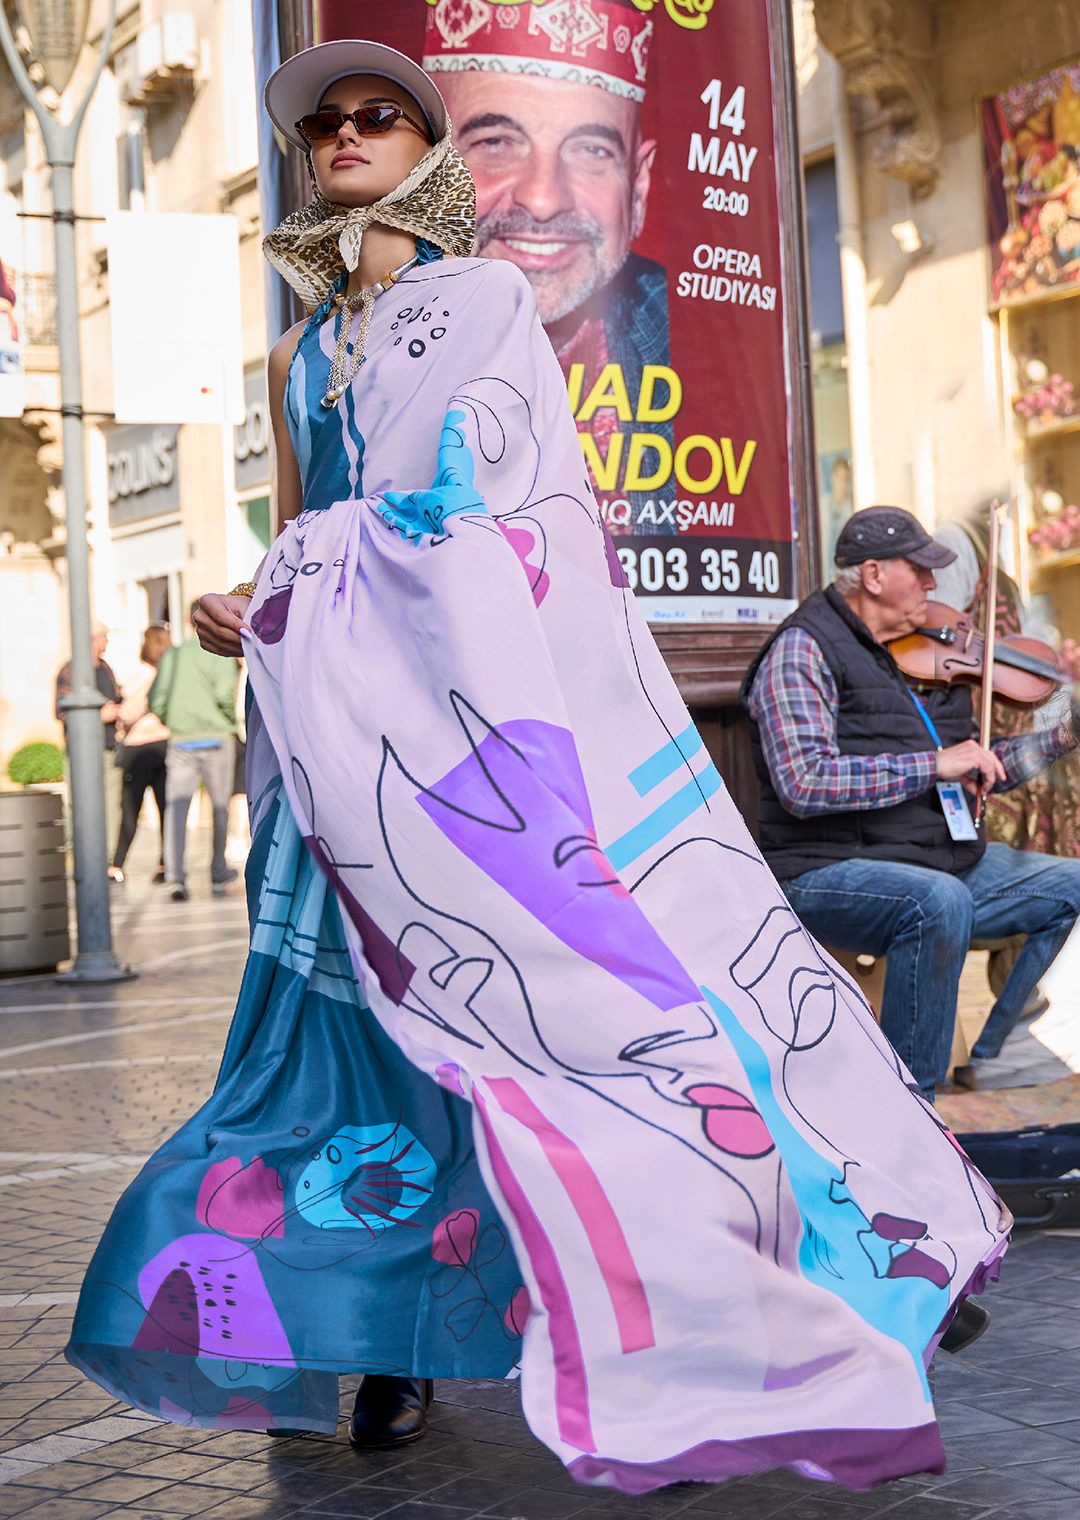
{"x": 324, "y": 1166}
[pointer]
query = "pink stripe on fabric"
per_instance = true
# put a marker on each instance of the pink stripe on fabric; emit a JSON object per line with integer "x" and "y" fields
{"x": 621, "y": 1278}
{"x": 571, "y": 1385}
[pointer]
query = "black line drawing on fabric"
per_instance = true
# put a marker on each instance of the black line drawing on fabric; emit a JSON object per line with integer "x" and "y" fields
{"x": 663, "y": 1078}
{"x": 688, "y": 1143}
{"x": 463, "y": 1249}
{"x": 889, "y": 1242}
{"x": 483, "y": 396}
{"x": 810, "y": 989}
{"x": 488, "y": 953}
{"x": 697, "y": 839}
{"x": 800, "y": 1012}
{"x": 306, "y": 796}
{"x": 503, "y": 813}
{"x": 270, "y": 618}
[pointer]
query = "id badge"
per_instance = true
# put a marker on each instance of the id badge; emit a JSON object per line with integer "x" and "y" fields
{"x": 954, "y": 805}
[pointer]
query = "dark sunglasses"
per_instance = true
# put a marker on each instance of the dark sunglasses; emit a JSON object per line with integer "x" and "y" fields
{"x": 369, "y": 121}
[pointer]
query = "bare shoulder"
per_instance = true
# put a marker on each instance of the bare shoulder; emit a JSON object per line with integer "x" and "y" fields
{"x": 281, "y": 355}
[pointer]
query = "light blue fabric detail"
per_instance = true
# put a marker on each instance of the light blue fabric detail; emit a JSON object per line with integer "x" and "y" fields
{"x": 196, "y": 744}
{"x": 839, "y": 1250}
{"x": 415, "y": 513}
{"x": 296, "y": 415}
{"x": 366, "y": 1178}
{"x": 666, "y": 761}
{"x": 328, "y": 445}
{"x": 297, "y": 923}
{"x": 666, "y": 817}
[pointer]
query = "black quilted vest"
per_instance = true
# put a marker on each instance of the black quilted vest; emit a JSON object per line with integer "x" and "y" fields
{"x": 876, "y": 716}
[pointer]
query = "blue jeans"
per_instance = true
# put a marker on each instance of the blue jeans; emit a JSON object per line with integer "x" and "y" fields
{"x": 923, "y": 919}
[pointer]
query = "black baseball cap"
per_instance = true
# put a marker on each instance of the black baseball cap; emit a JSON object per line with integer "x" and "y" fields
{"x": 889, "y": 533}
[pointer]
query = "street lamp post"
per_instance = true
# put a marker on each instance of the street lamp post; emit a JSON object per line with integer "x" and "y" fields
{"x": 57, "y": 32}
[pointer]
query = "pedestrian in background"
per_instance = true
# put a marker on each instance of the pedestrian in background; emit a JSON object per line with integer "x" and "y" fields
{"x": 107, "y": 685}
{"x": 142, "y": 754}
{"x": 194, "y": 695}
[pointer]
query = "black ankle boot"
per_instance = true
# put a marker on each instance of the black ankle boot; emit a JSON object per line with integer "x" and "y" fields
{"x": 968, "y": 1323}
{"x": 389, "y": 1411}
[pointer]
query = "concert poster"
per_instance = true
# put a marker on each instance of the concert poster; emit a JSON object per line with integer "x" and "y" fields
{"x": 624, "y": 159}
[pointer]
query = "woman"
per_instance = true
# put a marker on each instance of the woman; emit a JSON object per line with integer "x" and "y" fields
{"x": 484, "y": 1072}
{"x": 144, "y": 743}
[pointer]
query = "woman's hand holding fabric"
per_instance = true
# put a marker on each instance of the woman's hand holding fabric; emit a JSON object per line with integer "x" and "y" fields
{"x": 218, "y": 620}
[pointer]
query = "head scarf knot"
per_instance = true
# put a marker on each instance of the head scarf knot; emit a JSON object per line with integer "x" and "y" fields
{"x": 435, "y": 201}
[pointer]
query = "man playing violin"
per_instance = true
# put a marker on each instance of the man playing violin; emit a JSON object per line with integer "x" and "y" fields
{"x": 863, "y": 816}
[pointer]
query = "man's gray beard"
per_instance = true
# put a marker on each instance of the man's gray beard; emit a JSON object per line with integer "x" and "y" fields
{"x": 557, "y": 292}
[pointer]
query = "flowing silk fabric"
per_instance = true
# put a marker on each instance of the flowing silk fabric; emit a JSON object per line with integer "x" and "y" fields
{"x": 739, "y": 1228}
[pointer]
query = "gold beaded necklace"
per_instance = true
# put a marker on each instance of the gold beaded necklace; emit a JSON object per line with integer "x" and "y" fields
{"x": 344, "y": 366}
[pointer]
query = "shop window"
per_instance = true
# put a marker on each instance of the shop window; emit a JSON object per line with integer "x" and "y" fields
{"x": 257, "y": 515}
{"x": 831, "y": 416}
{"x": 131, "y": 180}
{"x": 157, "y": 598}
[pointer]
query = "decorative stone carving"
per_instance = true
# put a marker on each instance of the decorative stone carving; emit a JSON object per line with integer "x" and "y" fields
{"x": 884, "y": 48}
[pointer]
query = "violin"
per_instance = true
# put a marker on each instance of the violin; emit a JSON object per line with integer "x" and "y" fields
{"x": 949, "y": 647}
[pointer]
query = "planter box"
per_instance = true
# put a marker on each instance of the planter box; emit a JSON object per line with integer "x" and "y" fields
{"x": 33, "y": 886}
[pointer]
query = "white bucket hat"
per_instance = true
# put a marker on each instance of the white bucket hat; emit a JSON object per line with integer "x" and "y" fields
{"x": 295, "y": 89}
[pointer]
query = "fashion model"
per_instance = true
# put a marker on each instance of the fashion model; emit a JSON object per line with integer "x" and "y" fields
{"x": 533, "y": 1068}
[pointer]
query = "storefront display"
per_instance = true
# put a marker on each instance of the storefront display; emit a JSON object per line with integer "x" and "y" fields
{"x": 1031, "y": 143}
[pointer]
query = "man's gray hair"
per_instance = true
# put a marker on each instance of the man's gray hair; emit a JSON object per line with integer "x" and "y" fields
{"x": 847, "y": 579}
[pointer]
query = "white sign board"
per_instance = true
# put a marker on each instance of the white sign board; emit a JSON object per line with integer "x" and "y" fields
{"x": 174, "y": 296}
{"x": 12, "y": 312}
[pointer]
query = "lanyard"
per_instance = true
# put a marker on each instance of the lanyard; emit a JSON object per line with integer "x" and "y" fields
{"x": 925, "y": 716}
{"x": 953, "y": 802}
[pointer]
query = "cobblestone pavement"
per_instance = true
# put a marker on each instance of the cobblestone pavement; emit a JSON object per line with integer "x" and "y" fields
{"x": 92, "y": 1080}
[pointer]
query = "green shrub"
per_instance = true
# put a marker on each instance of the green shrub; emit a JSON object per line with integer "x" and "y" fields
{"x": 35, "y": 763}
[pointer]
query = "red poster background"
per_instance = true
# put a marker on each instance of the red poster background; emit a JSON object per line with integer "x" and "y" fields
{"x": 724, "y": 538}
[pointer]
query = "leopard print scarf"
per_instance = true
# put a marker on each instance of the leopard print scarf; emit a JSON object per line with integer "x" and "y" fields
{"x": 436, "y": 201}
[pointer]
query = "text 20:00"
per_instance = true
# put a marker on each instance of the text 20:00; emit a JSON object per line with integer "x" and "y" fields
{"x": 735, "y": 201}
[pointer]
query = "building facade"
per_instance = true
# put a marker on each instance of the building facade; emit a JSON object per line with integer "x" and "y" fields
{"x": 175, "y": 508}
{"x": 922, "y": 389}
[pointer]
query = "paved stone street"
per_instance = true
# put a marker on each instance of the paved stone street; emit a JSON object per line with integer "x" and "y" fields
{"x": 93, "y": 1080}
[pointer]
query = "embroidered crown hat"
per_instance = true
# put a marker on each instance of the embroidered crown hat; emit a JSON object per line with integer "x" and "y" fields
{"x": 599, "y": 42}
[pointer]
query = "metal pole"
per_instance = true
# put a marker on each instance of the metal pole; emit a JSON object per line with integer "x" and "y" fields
{"x": 95, "y": 961}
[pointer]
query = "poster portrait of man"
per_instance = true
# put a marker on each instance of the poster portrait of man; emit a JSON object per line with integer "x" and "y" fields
{"x": 546, "y": 101}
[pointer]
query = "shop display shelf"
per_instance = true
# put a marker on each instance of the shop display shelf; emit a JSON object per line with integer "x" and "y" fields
{"x": 1063, "y": 561}
{"x": 1040, "y": 433}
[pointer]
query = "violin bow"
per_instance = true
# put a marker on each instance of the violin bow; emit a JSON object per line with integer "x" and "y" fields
{"x": 989, "y": 633}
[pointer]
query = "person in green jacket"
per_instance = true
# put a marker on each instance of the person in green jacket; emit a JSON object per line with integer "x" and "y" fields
{"x": 194, "y": 695}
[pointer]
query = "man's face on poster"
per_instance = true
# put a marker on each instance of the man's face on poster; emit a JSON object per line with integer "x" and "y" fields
{"x": 562, "y": 179}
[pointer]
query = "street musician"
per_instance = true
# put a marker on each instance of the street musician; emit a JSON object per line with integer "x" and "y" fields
{"x": 865, "y": 783}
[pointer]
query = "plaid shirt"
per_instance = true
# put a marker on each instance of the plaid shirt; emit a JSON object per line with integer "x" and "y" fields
{"x": 794, "y": 701}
